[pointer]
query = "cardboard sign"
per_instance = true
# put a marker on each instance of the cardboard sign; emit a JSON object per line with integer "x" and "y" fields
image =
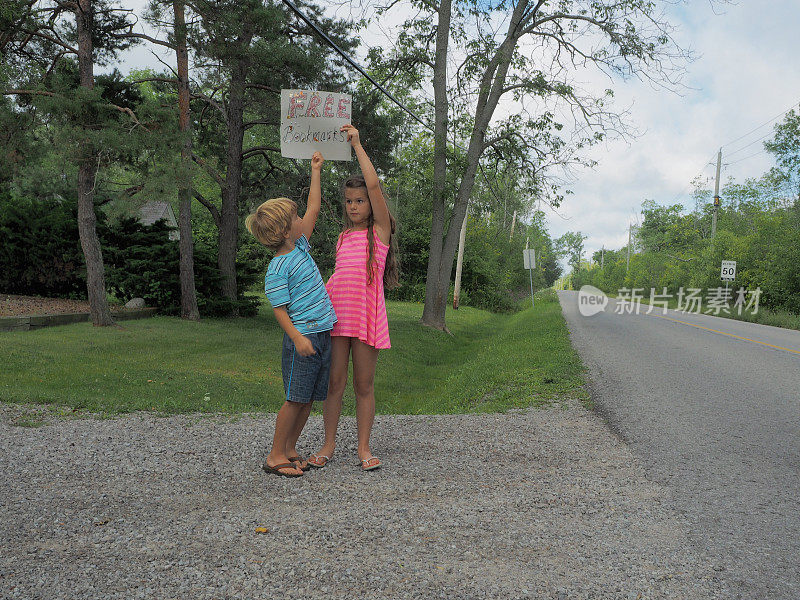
{"x": 311, "y": 120}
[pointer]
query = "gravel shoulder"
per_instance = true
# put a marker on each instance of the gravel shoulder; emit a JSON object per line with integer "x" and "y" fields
{"x": 529, "y": 504}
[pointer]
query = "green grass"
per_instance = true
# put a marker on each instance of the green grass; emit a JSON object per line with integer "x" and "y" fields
{"x": 491, "y": 363}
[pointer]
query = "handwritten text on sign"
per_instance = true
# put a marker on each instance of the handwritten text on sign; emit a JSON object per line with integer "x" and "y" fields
{"x": 311, "y": 120}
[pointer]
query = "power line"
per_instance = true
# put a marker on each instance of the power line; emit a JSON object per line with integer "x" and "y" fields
{"x": 358, "y": 68}
{"x": 745, "y": 158}
{"x": 750, "y": 144}
{"x": 728, "y": 154}
{"x": 353, "y": 63}
{"x": 759, "y": 127}
{"x": 689, "y": 185}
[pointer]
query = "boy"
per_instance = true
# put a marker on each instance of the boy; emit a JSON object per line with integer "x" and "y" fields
{"x": 295, "y": 289}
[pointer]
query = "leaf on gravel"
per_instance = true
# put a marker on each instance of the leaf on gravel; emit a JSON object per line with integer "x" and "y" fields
{"x": 103, "y": 522}
{"x": 262, "y": 530}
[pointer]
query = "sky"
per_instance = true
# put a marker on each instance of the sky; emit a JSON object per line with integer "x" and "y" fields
{"x": 743, "y": 78}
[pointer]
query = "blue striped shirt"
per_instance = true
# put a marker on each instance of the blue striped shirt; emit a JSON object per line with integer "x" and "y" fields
{"x": 293, "y": 280}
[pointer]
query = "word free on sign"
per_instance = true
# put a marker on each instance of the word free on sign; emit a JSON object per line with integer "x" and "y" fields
{"x": 311, "y": 120}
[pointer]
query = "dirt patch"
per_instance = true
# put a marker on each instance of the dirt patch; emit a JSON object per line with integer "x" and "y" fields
{"x": 23, "y": 306}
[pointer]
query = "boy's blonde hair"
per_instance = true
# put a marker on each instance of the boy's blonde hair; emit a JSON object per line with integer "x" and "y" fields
{"x": 271, "y": 221}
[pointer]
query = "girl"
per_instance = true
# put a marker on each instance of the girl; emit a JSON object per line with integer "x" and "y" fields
{"x": 365, "y": 264}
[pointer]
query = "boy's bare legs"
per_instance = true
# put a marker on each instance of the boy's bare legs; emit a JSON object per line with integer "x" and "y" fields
{"x": 302, "y": 417}
{"x": 332, "y": 407}
{"x": 284, "y": 427}
{"x": 365, "y": 359}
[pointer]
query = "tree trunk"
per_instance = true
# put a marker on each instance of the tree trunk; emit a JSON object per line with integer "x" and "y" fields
{"x": 87, "y": 172}
{"x": 229, "y": 217}
{"x": 442, "y": 252}
{"x": 433, "y": 313}
{"x": 450, "y": 242}
{"x": 189, "y": 308}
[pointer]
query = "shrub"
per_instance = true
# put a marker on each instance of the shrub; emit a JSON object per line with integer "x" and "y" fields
{"x": 41, "y": 256}
{"x": 142, "y": 262}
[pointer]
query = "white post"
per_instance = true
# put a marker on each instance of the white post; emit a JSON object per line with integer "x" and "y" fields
{"x": 459, "y": 262}
{"x": 513, "y": 222}
{"x": 530, "y": 264}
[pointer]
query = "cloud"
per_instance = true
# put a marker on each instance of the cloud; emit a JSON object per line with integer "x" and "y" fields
{"x": 744, "y": 76}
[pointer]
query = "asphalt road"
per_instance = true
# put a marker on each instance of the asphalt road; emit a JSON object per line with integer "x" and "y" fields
{"x": 712, "y": 408}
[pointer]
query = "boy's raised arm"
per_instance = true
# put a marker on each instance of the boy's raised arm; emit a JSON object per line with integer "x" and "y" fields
{"x": 314, "y": 195}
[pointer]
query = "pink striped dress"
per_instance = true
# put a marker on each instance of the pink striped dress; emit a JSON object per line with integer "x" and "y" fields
{"x": 360, "y": 307}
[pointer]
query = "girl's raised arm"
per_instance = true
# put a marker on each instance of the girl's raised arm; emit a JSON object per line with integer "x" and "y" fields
{"x": 314, "y": 196}
{"x": 380, "y": 211}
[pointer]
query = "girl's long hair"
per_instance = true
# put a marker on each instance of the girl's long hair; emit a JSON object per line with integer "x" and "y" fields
{"x": 391, "y": 272}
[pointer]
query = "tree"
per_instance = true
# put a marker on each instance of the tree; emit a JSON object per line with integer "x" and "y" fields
{"x": 87, "y": 171}
{"x": 666, "y": 229}
{"x": 36, "y": 36}
{"x": 189, "y": 308}
{"x": 619, "y": 37}
{"x": 178, "y": 43}
{"x": 245, "y": 52}
{"x": 785, "y": 146}
{"x": 570, "y": 245}
{"x": 551, "y": 270}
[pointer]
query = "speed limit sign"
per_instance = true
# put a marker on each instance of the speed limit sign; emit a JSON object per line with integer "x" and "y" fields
{"x": 728, "y": 272}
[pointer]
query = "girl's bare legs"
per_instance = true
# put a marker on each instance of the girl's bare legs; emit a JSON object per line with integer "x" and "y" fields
{"x": 365, "y": 359}
{"x": 332, "y": 407}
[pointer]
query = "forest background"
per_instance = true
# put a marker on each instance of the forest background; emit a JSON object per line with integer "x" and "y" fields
{"x": 120, "y": 141}
{"x": 758, "y": 226}
{"x": 131, "y": 123}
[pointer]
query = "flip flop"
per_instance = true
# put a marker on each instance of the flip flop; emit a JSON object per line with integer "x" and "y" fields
{"x": 300, "y": 461}
{"x": 318, "y": 461}
{"x": 276, "y": 470}
{"x": 366, "y": 466}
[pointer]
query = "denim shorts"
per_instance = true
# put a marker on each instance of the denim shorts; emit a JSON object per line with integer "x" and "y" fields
{"x": 305, "y": 378}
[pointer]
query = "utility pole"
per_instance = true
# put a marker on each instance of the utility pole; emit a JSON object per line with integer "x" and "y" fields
{"x": 603, "y": 257}
{"x": 460, "y": 261}
{"x": 628, "y": 263}
{"x": 716, "y": 197}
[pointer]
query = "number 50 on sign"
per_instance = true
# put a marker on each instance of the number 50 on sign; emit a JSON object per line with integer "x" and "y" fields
{"x": 728, "y": 272}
